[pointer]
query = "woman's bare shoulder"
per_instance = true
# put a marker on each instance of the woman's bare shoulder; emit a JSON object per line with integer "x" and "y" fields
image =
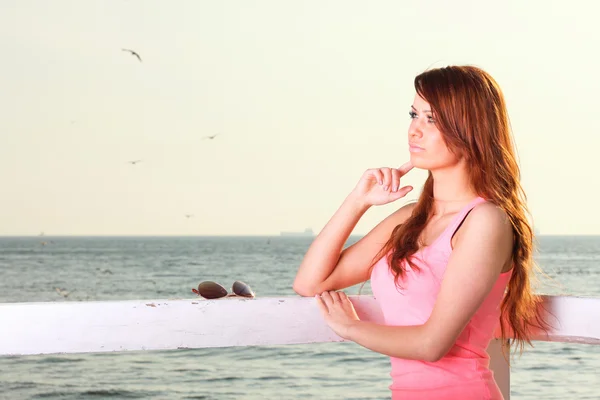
{"x": 490, "y": 213}
{"x": 486, "y": 217}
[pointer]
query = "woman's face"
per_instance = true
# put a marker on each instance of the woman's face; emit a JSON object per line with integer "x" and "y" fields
{"x": 426, "y": 143}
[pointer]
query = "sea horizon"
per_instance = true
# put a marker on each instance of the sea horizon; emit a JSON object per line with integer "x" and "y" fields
{"x": 225, "y": 235}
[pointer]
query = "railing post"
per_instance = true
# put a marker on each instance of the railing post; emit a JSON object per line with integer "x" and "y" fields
{"x": 500, "y": 367}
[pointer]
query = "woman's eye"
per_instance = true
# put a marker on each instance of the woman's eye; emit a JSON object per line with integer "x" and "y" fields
{"x": 412, "y": 114}
{"x": 430, "y": 119}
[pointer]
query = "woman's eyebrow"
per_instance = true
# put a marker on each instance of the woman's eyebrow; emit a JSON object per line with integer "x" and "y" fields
{"x": 413, "y": 107}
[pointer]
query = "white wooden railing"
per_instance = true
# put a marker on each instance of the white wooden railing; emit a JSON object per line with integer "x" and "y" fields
{"x": 108, "y": 326}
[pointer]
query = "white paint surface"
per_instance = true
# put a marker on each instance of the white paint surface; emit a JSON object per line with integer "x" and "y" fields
{"x": 80, "y": 327}
{"x": 73, "y": 327}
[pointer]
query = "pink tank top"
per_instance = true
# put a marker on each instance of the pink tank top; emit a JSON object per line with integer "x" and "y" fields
{"x": 464, "y": 372}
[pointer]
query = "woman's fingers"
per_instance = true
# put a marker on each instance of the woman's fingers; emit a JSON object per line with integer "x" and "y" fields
{"x": 404, "y": 168}
{"x": 345, "y": 302}
{"x": 329, "y": 299}
{"x": 326, "y": 297}
{"x": 397, "y": 173}
{"x": 391, "y": 180}
{"x": 378, "y": 175}
{"x": 395, "y": 180}
{"x": 374, "y": 173}
{"x": 321, "y": 304}
{"x": 387, "y": 177}
{"x": 343, "y": 297}
{"x": 335, "y": 297}
{"x": 403, "y": 191}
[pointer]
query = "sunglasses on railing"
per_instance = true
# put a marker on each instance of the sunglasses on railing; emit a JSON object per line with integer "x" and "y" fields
{"x": 212, "y": 290}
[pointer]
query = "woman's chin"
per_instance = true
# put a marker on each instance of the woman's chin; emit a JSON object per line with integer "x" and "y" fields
{"x": 418, "y": 162}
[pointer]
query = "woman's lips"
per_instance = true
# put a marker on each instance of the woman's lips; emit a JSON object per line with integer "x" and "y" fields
{"x": 415, "y": 149}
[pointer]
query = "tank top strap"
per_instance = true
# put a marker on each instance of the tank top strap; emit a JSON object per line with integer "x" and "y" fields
{"x": 460, "y": 217}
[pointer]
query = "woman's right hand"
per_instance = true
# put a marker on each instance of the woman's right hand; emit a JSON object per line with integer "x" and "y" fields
{"x": 381, "y": 186}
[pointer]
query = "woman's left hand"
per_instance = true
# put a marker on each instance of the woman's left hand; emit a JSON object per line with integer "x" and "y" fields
{"x": 338, "y": 312}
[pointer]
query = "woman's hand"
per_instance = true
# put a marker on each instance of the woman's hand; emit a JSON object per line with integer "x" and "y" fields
{"x": 381, "y": 186}
{"x": 338, "y": 312}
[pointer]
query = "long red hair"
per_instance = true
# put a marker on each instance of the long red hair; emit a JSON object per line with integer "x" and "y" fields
{"x": 470, "y": 112}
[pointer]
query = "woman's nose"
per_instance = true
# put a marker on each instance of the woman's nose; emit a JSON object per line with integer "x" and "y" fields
{"x": 415, "y": 131}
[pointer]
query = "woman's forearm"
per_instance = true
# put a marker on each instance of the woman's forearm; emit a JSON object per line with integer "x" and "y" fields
{"x": 324, "y": 252}
{"x": 408, "y": 342}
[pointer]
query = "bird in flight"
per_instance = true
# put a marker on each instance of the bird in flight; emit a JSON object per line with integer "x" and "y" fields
{"x": 133, "y": 53}
{"x": 134, "y": 162}
{"x": 211, "y": 137}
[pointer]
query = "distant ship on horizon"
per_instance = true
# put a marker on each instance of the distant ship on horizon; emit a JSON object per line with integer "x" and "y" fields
{"x": 306, "y": 232}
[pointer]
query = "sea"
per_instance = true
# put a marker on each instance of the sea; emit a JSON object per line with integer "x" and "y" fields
{"x": 122, "y": 268}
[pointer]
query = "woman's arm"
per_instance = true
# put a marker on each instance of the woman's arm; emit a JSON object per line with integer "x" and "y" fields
{"x": 324, "y": 252}
{"x": 326, "y": 267}
{"x": 480, "y": 252}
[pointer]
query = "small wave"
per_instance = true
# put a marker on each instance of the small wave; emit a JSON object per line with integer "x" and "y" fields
{"x": 330, "y": 354}
{"x": 223, "y": 379}
{"x": 544, "y": 368}
{"x": 351, "y": 360}
{"x": 568, "y": 257}
{"x": 93, "y": 393}
{"x": 271, "y": 378}
{"x": 190, "y": 370}
{"x": 115, "y": 392}
{"x": 55, "y": 360}
{"x": 100, "y": 393}
{"x": 22, "y": 385}
{"x": 54, "y": 394}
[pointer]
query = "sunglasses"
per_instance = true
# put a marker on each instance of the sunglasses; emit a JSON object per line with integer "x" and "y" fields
{"x": 212, "y": 290}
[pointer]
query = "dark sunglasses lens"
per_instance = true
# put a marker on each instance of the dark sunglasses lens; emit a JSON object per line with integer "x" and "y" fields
{"x": 242, "y": 289}
{"x": 211, "y": 290}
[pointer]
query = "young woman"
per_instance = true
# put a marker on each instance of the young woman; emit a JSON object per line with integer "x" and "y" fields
{"x": 448, "y": 268}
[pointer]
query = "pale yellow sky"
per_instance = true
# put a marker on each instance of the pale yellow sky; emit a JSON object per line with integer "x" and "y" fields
{"x": 306, "y": 96}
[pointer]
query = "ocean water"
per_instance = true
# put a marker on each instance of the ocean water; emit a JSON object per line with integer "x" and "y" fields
{"x": 148, "y": 268}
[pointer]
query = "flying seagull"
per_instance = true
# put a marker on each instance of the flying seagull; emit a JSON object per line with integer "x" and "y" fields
{"x": 211, "y": 137}
{"x": 134, "y": 162}
{"x": 133, "y": 53}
